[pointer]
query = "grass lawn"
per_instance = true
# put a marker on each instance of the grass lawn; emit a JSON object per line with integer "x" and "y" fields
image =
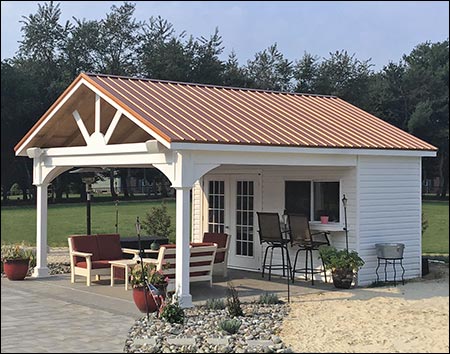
{"x": 435, "y": 238}
{"x": 19, "y": 222}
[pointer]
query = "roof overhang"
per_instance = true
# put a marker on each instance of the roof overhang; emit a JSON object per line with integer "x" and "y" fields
{"x": 297, "y": 150}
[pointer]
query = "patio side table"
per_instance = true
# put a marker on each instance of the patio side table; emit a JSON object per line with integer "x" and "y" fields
{"x": 125, "y": 264}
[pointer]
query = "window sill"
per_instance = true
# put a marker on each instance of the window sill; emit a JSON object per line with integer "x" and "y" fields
{"x": 331, "y": 226}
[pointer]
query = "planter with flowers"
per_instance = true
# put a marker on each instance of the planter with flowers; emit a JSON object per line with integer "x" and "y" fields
{"x": 15, "y": 261}
{"x": 344, "y": 265}
{"x": 149, "y": 287}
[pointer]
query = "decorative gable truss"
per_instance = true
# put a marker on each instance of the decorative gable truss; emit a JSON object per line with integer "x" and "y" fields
{"x": 97, "y": 138}
{"x": 85, "y": 116}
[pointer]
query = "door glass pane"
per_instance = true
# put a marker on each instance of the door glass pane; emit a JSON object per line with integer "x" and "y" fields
{"x": 326, "y": 200}
{"x": 216, "y": 207}
{"x": 244, "y": 218}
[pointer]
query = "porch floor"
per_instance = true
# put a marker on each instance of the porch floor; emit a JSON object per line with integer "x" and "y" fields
{"x": 248, "y": 284}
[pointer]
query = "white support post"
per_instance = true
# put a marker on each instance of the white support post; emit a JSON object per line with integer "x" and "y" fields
{"x": 182, "y": 242}
{"x": 41, "y": 269}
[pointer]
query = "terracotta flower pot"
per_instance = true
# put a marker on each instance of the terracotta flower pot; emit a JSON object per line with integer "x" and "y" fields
{"x": 324, "y": 219}
{"x": 16, "y": 269}
{"x": 139, "y": 297}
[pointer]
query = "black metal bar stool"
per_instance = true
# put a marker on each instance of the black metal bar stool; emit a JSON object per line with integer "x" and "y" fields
{"x": 302, "y": 237}
{"x": 270, "y": 232}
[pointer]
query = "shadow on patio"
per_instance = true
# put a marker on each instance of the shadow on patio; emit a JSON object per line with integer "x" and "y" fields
{"x": 248, "y": 284}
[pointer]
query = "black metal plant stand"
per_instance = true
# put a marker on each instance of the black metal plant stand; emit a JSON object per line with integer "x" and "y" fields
{"x": 392, "y": 261}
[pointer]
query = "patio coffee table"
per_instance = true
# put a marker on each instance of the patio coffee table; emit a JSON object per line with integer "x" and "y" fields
{"x": 126, "y": 264}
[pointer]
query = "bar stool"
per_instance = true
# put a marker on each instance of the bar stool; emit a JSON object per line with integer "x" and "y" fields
{"x": 270, "y": 232}
{"x": 302, "y": 237}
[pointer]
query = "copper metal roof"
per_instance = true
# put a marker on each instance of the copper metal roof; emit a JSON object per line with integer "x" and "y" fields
{"x": 183, "y": 112}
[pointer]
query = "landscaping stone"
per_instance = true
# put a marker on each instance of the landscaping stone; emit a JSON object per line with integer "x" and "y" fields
{"x": 200, "y": 332}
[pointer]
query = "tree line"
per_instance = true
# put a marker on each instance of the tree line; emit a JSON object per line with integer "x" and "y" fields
{"x": 411, "y": 94}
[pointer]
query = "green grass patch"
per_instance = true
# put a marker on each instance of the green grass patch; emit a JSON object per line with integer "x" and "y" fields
{"x": 435, "y": 237}
{"x": 19, "y": 222}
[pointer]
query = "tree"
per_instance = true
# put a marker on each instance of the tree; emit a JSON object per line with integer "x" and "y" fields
{"x": 207, "y": 68}
{"x": 428, "y": 78}
{"x": 344, "y": 76}
{"x": 389, "y": 95}
{"x": 44, "y": 37}
{"x": 157, "y": 221}
{"x": 306, "y": 71}
{"x": 82, "y": 48}
{"x": 233, "y": 74}
{"x": 119, "y": 36}
{"x": 270, "y": 70}
{"x": 162, "y": 54}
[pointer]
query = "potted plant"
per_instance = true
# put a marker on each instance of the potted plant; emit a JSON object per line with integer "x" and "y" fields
{"x": 324, "y": 216}
{"x": 150, "y": 298}
{"x": 344, "y": 265}
{"x": 15, "y": 261}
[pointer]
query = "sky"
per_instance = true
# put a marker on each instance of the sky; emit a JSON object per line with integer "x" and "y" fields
{"x": 378, "y": 30}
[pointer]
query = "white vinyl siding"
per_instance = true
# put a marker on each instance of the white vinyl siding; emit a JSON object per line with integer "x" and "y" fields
{"x": 197, "y": 198}
{"x": 389, "y": 212}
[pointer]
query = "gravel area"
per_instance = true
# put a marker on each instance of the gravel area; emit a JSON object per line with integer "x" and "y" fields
{"x": 200, "y": 332}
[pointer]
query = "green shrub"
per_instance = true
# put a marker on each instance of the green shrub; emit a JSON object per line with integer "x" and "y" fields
{"x": 157, "y": 221}
{"x": 340, "y": 259}
{"x": 172, "y": 312}
{"x": 215, "y": 304}
{"x": 233, "y": 302}
{"x": 269, "y": 299}
{"x": 230, "y": 326}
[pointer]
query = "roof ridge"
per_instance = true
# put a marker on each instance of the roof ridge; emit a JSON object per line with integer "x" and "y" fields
{"x": 208, "y": 85}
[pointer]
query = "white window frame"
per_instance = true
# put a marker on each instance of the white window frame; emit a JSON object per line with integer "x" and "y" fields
{"x": 311, "y": 207}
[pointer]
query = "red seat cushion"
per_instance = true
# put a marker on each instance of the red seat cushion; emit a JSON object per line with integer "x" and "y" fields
{"x": 221, "y": 240}
{"x": 109, "y": 247}
{"x": 95, "y": 264}
{"x": 85, "y": 243}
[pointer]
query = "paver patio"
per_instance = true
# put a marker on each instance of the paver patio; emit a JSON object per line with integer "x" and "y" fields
{"x": 52, "y": 315}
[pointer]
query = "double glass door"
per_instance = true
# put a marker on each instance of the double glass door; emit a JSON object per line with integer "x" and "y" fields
{"x": 232, "y": 202}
